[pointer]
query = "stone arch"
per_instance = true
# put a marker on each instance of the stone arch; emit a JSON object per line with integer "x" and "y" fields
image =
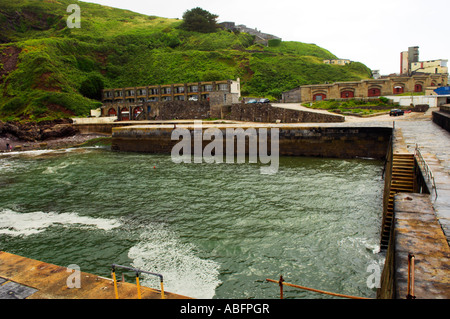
{"x": 418, "y": 87}
{"x": 112, "y": 112}
{"x": 347, "y": 93}
{"x": 398, "y": 88}
{"x": 125, "y": 114}
{"x": 137, "y": 111}
{"x": 319, "y": 95}
{"x": 374, "y": 91}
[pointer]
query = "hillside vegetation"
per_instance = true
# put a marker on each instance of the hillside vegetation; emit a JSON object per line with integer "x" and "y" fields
{"x": 48, "y": 70}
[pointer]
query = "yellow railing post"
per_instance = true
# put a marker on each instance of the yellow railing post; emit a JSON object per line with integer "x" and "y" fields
{"x": 138, "y": 285}
{"x": 162, "y": 289}
{"x": 115, "y": 282}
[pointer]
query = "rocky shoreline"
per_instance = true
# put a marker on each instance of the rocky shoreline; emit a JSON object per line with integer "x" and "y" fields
{"x": 45, "y": 135}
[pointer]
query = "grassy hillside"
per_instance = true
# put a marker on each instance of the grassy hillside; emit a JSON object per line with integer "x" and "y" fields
{"x": 44, "y": 64}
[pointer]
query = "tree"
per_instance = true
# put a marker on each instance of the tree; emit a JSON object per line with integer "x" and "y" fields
{"x": 199, "y": 20}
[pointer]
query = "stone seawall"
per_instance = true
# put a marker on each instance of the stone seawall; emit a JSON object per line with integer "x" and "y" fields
{"x": 442, "y": 118}
{"x": 333, "y": 142}
{"x": 266, "y": 113}
{"x": 179, "y": 110}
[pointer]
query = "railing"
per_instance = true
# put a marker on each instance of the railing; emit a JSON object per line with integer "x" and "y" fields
{"x": 425, "y": 169}
{"x": 138, "y": 272}
{"x": 410, "y": 292}
{"x": 282, "y": 283}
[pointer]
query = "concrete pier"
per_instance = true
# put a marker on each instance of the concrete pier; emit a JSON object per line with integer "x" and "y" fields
{"x": 342, "y": 141}
{"x": 24, "y": 278}
{"x": 417, "y": 232}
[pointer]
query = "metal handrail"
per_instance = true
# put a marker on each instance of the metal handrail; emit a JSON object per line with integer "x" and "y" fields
{"x": 137, "y": 271}
{"x": 424, "y": 165}
{"x": 410, "y": 291}
{"x": 282, "y": 283}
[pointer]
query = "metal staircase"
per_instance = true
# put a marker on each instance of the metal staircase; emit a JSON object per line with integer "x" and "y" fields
{"x": 402, "y": 181}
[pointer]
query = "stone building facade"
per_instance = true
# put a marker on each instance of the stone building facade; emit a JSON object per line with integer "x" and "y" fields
{"x": 135, "y": 103}
{"x": 371, "y": 88}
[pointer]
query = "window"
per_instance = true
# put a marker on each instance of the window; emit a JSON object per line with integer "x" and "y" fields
{"x": 223, "y": 87}
{"x": 207, "y": 88}
{"x": 179, "y": 89}
{"x": 193, "y": 88}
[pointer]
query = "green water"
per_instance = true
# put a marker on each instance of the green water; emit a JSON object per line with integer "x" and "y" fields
{"x": 212, "y": 230}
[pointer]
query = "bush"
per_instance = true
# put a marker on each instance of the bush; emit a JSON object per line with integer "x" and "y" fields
{"x": 274, "y": 43}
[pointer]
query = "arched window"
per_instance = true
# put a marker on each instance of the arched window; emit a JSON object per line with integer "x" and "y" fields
{"x": 418, "y": 88}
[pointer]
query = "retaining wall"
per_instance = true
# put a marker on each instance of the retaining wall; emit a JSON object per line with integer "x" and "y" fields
{"x": 442, "y": 118}
{"x": 266, "y": 113}
{"x": 334, "y": 142}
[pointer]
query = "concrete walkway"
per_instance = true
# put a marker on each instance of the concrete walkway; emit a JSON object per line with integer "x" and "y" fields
{"x": 25, "y": 278}
{"x": 434, "y": 144}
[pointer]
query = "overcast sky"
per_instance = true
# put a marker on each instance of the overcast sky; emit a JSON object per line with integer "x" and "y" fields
{"x": 371, "y": 32}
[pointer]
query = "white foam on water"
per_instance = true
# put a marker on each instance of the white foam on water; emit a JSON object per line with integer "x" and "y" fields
{"x": 26, "y": 224}
{"x": 360, "y": 242}
{"x": 161, "y": 251}
{"x": 42, "y": 152}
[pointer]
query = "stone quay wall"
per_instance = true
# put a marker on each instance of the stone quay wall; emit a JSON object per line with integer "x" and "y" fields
{"x": 266, "y": 113}
{"x": 442, "y": 118}
{"x": 332, "y": 142}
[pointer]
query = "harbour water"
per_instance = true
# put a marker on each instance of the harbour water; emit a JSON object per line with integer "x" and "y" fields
{"x": 212, "y": 230}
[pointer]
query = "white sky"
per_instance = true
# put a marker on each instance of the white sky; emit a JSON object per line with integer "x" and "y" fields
{"x": 371, "y": 32}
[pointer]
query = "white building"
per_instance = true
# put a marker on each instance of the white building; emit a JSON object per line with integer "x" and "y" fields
{"x": 431, "y": 100}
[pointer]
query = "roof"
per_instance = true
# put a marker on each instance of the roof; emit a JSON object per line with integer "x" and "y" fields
{"x": 444, "y": 90}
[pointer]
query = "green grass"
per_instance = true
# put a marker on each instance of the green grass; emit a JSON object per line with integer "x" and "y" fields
{"x": 353, "y": 107}
{"x": 125, "y": 49}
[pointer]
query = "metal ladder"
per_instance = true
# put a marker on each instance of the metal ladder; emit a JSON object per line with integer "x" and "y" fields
{"x": 402, "y": 181}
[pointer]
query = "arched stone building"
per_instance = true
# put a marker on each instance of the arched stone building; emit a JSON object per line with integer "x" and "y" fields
{"x": 364, "y": 89}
